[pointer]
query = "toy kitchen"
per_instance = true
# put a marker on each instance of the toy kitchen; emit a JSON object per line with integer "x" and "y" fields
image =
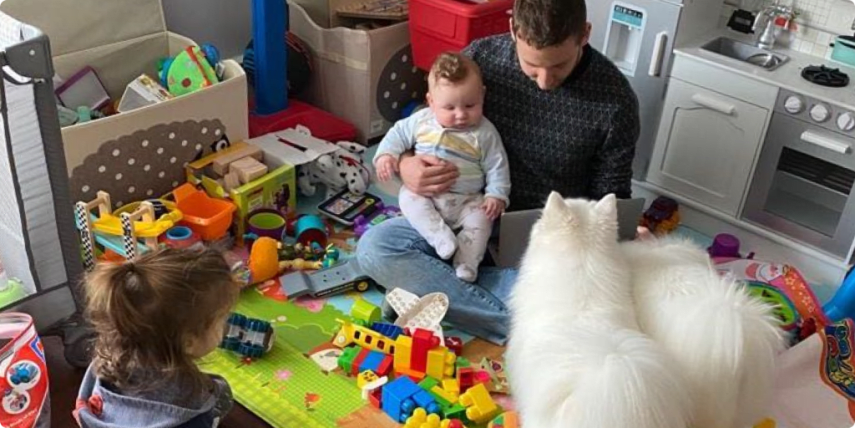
{"x": 750, "y": 137}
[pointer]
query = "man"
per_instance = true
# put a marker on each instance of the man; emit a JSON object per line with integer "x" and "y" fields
{"x": 569, "y": 122}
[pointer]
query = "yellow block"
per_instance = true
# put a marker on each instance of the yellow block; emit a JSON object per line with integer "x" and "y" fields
{"x": 440, "y": 363}
{"x": 403, "y": 352}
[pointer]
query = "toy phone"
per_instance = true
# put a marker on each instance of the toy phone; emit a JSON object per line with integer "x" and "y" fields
{"x": 346, "y": 206}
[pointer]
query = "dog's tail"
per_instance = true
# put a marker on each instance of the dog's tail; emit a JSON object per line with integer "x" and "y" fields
{"x": 618, "y": 379}
{"x": 727, "y": 354}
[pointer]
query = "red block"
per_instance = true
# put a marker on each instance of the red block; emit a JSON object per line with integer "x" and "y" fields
{"x": 375, "y": 396}
{"x": 423, "y": 341}
{"x": 466, "y": 378}
{"x": 358, "y": 361}
{"x": 454, "y": 344}
{"x": 385, "y": 366}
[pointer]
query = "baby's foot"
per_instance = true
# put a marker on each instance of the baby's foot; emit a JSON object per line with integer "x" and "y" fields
{"x": 445, "y": 248}
{"x": 466, "y": 273}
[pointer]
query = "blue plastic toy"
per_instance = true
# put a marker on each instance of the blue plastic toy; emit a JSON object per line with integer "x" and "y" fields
{"x": 248, "y": 337}
{"x": 842, "y": 305}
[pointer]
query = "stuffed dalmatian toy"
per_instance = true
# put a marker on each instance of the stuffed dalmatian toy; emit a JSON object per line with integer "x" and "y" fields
{"x": 339, "y": 170}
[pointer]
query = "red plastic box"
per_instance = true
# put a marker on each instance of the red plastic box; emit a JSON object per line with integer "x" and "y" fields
{"x": 437, "y": 26}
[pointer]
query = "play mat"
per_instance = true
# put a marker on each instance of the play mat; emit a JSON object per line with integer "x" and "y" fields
{"x": 297, "y": 384}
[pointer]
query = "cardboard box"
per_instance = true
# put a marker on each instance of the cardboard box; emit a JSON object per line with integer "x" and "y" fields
{"x": 364, "y": 77}
{"x": 141, "y": 153}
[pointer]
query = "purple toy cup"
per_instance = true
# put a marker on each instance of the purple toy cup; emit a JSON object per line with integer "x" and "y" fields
{"x": 724, "y": 245}
{"x": 266, "y": 222}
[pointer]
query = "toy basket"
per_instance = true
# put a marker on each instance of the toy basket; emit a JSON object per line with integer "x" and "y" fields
{"x": 449, "y": 25}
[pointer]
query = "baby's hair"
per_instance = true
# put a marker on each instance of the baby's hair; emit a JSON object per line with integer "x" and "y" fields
{"x": 148, "y": 311}
{"x": 453, "y": 67}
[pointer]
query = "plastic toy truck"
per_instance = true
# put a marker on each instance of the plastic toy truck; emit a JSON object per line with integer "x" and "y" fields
{"x": 342, "y": 277}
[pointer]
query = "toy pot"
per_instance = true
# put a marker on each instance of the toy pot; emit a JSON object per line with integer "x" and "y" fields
{"x": 310, "y": 228}
{"x": 266, "y": 222}
{"x": 179, "y": 237}
{"x": 724, "y": 245}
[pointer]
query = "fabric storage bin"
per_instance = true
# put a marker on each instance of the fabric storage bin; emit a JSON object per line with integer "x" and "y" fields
{"x": 140, "y": 153}
{"x": 363, "y": 76}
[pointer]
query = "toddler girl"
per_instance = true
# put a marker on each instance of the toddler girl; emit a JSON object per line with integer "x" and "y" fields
{"x": 453, "y": 129}
{"x": 154, "y": 317}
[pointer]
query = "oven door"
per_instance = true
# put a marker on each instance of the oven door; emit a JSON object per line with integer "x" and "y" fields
{"x": 802, "y": 185}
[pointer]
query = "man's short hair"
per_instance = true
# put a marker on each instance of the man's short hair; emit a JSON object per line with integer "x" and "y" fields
{"x": 453, "y": 67}
{"x": 546, "y": 23}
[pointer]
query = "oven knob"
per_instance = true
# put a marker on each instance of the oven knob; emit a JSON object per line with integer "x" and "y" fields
{"x": 819, "y": 113}
{"x": 845, "y": 122}
{"x": 794, "y": 104}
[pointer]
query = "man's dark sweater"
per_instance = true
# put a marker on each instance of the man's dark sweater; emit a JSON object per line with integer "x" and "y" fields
{"x": 578, "y": 139}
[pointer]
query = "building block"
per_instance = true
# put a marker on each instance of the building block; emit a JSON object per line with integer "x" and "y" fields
{"x": 350, "y": 334}
{"x": 423, "y": 341}
{"x": 421, "y": 419}
{"x": 374, "y": 397}
{"x": 480, "y": 407}
{"x": 357, "y": 361}
{"x": 363, "y": 310}
{"x": 440, "y": 362}
{"x": 454, "y": 344}
{"x": 483, "y": 376}
{"x": 385, "y": 366}
{"x": 451, "y": 386}
{"x": 457, "y": 411}
{"x": 443, "y": 397}
{"x": 412, "y": 374}
{"x": 428, "y": 383}
{"x": 505, "y": 420}
{"x": 465, "y": 378}
{"x": 375, "y": 385}
{"x": 345, "y": 360}
{"x": 463, "y": 362}
{"x": 426, "y": 401}
{"x": 398, "y": 398}
{"x": 221, "y": 163}
{"x": 247, "y": 169}
{"x": 371, "y": 361}
{"x": 365, "y": 377}
{"x": 389, "y": 330}
{"x": 403, "y": 352}
{"x": 451, "y": 423}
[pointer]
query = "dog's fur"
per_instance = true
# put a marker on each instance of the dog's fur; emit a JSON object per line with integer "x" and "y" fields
{"x": 723, "y": 340}
{"x": 576, "y": 358}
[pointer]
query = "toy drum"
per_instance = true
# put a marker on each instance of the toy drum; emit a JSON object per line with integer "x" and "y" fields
{"x": 266, "y": 222}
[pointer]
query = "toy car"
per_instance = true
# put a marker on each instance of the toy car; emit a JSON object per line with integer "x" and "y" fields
{"x": 249, "y": 337}
{"x": 339, "y": 278}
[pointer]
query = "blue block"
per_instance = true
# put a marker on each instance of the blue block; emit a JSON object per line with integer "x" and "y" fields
{"x": 397, "y": 398}
{"x": 389, "y": 330}
{"x": 371, "y": 362}
{"x": 426, "y": 401}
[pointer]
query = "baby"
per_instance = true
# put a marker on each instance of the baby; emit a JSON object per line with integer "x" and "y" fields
{"x": 455, "y": 130}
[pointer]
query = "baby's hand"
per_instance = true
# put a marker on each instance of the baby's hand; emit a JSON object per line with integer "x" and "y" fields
{"x": 493, "y": 207}
{"x": 386, "y": 167}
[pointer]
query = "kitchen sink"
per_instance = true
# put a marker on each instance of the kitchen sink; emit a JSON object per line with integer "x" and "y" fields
{"x": 746, "y": 53}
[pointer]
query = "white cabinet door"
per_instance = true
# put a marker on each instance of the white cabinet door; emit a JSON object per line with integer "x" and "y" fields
{"x": 706, "y": 146}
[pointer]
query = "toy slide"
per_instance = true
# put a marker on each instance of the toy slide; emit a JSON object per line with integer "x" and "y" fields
{"x": 111, "y": 224}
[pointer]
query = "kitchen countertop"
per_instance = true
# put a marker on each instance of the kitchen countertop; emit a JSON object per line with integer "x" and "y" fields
{"x": 788, "y": 76}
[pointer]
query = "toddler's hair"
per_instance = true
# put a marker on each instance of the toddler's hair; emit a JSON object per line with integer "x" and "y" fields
{"x": 453, "y": 67}
{"x": 148, "y": 311}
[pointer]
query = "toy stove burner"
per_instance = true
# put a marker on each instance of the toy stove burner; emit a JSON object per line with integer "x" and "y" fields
{"x": 825, "y": 76}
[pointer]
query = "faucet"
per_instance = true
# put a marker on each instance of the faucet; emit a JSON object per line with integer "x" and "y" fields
{"x": 766, "y": 21}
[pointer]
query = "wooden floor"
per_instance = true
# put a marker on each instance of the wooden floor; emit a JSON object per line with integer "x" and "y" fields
{"x": 65, "y": 380}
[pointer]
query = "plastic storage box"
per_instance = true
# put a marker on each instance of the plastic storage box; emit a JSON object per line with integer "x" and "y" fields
{"x": 449, "y": 25}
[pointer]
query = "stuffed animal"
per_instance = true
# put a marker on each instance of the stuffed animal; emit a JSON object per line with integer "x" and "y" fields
{"x": 343, "y": 168}
{"x": 192, "y": 69}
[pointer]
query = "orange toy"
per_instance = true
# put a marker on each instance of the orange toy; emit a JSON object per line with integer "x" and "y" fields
{"x": 208, "y": 217}
{"x": 263, "y": 260}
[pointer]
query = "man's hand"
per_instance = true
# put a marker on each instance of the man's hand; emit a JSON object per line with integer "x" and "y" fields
{"x": 386, "y": 167}
{"x": 427, "y": 175}
{"x": 493, "y": 207}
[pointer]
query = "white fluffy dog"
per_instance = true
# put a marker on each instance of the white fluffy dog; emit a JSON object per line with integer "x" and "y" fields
{"x": 576, "y": 358}
{"x": 724, "y": 341}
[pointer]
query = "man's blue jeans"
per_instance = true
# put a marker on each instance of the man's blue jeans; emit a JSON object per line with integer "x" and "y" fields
{"x": 395, "y": 255}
